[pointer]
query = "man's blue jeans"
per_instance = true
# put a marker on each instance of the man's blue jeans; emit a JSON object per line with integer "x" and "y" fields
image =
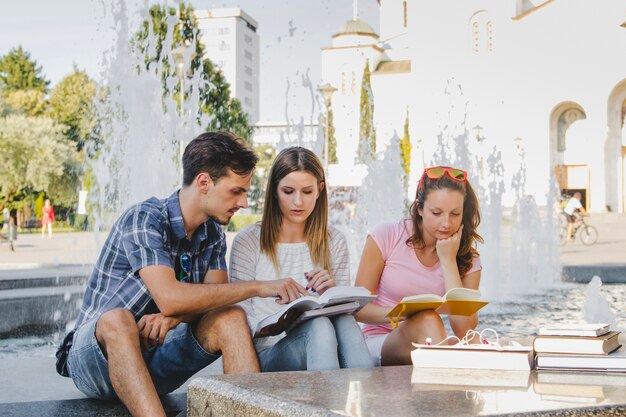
{"x": 318, "y": 344}
{"x": 170, "y": 365}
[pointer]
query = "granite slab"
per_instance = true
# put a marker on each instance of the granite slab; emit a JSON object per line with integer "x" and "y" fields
{"x": 389, "y": 391}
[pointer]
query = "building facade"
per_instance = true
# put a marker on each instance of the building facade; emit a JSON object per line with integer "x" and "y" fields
{"x": 232, "y": 44}
{"x": 542, "y": 78}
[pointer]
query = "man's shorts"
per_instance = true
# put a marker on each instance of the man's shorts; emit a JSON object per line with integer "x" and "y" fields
{"x": 170, "y": 364}
{"x": 571, "y": 218}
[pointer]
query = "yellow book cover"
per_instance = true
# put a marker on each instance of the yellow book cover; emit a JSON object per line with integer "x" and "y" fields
{"x": 457, "y": 301}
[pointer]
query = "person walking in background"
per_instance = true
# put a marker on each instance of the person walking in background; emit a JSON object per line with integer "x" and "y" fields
{"x": 47, "y": 218}
{"x": 430, "y": 253}
{"x": 294, "y": 240}
{"x": 573, "y": 206}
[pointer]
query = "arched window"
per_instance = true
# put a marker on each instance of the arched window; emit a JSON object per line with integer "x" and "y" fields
{"x": 481, "y": 31}
{"x": 566, "y": 119}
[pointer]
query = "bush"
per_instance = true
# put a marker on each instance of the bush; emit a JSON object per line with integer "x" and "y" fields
{"x": 241, "y": 221}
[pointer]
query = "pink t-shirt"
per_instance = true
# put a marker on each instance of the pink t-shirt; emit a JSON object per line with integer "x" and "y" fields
{"x": 403, "y": 274}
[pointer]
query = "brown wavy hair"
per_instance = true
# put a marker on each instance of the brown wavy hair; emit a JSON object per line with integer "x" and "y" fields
{"x": 316, "y": 228}
{"x": 471, "y": 218}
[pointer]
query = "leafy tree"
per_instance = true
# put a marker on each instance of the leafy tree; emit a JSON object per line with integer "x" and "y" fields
{"x": 33, "y": 154}
{"x": 332, "y": 140}
{"x": 19, "y": 72}
{"x": 214, "y": 95}
{"x": 29, "y": 102}
{"x": 405, "y": 147}
{"x": 71, "y": 103}
{"x": 367, "y": 132}
{"x": 267, "y": 154}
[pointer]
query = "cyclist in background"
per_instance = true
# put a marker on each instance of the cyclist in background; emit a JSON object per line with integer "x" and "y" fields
{"x": 573, "y": 205}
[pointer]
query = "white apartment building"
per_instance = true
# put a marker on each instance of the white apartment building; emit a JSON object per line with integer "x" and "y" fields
{"x": 232, "y": 44}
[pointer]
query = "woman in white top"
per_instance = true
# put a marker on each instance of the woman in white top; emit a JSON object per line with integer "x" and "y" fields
{"x": 294, "y": 241}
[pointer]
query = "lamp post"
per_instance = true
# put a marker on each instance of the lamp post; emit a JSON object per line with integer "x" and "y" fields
{"x": 327, "y": 91}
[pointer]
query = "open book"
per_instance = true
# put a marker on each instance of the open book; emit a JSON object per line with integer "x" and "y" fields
{"x": 334, "y": 301}
{"x": 458, "y": 301}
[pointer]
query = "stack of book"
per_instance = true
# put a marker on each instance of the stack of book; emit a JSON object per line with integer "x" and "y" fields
{"x": 586, "y": 347}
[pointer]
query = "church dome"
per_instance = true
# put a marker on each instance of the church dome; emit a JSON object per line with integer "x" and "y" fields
{"x": 356, "y": 27}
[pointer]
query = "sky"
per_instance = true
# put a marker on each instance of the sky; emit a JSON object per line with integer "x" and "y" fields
{"x": 60, "y": 34}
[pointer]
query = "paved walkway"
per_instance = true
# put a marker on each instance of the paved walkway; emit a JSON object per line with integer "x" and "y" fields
{"x": 31, "y": 251}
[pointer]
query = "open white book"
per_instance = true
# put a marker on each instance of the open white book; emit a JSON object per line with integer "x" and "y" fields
{"x": 457, "y": 301}
{"x": 334, "y": 301}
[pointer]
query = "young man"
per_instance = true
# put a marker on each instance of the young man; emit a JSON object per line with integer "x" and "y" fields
{"x": 573, "y": 205}
{"x": 158, "y": 307}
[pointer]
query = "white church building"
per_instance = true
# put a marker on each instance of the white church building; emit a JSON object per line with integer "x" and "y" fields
{"x": 544, "y": 76}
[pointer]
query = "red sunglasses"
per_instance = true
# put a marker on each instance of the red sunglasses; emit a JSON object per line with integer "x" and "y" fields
{"x": 434, "y": 173}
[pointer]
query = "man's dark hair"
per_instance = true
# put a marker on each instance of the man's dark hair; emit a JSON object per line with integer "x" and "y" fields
{"x": 215, "y": 153}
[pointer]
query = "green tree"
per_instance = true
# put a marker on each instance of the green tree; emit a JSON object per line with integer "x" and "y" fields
{"x": 71, "y": 104}
{"x": 19, "y": 72}
{"x": 267, "y": 154}
{"x": 29, "y": 102}
{"x": 405, "y": 147}
{"x": 332, "y": 140}
{"x": 215, "y": 101}
{"x": 367, "y": 131}
{"x": 33, "y": 154}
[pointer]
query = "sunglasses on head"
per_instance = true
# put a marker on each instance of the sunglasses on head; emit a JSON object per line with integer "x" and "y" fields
{"x": 434, "y": 173}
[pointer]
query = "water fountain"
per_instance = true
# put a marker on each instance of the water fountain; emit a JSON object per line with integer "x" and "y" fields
{"x": 143, "y": 132}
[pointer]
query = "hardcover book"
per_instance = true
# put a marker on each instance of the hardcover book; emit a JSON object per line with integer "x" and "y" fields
{"x": 600, "y": 345}
{"x": 334, "y": 301}
{"x": 613, "y": 362}
{"x": 581, "y": 329}
{"x": 457, "y": 301}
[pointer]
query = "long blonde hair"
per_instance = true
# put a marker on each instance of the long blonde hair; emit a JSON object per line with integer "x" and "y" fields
{"x": 316, "y": 228}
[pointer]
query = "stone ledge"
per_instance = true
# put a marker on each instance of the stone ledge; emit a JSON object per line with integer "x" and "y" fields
{"x": 387, "y": 391}
{"x": 609, "y": 273}
{"x": 217, "y": 398}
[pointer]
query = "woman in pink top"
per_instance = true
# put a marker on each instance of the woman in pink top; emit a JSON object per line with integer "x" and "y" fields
{"x": 431, "y": 253}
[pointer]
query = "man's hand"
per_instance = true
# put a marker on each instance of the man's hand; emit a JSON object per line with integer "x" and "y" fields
{"x": 287, "y": 290}
{"x": 154, "y": 327}
{"x": 449, "y": 247}
{"x": 319, "y": 280}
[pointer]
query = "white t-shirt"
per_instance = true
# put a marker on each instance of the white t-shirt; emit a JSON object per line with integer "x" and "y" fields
{"x": 572, "y": 205}
{"x": 247, "y": 263}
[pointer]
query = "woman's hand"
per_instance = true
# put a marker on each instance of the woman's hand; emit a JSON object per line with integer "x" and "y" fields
{"x": 448, "y": 248}
{"x": 154, "y": 327}
{"x": 319, "y": 280}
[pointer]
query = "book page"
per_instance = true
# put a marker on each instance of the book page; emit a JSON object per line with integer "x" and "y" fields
{"x": 462, "y": 294}
{"x": 343, "y": 292}
{"x": 422, "y": 298}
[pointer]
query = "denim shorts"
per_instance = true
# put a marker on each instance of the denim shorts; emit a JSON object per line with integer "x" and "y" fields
{"x": 170, "y": 364}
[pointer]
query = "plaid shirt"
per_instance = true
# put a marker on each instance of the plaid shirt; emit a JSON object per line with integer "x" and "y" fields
{"x": 149, "y": 233}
